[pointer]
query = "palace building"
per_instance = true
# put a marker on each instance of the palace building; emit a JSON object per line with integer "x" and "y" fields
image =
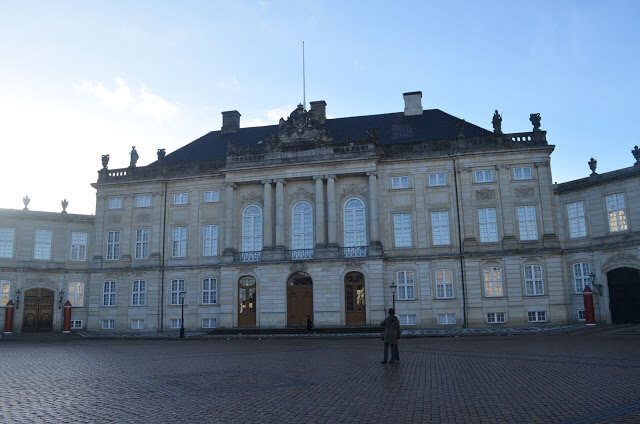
{"x": 335, "y": 220}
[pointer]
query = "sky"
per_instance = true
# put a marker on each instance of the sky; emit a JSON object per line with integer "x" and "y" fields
{"x": 80, "y": 79}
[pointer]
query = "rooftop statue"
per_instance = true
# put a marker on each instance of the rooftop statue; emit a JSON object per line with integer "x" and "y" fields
{"x": 105, "y": 161}
{"x": 535, "y": 119}
{"x": 134, "y": 157}
{"x": 497, "y": 122}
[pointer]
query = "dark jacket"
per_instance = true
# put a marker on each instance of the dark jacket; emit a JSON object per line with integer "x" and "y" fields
{"x": 391, "y": 329}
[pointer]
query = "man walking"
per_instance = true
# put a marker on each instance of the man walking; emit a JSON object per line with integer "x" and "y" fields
{"x": 391, "y": 333}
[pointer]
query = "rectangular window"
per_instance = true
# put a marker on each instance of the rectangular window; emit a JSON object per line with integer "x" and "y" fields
{"x": 76, "y": 294}
{"x": 180, "y": 198}
{"x": 399, "y": 182}
{"x": 495, "y": 317}
{"x": 177, "y": 287}
{"x": 179, "y": 245}
{"x": 115, "y": 203}
{"x": 209, "y": 291}
{"x": 522, "y": 173}
{"x": 211, "y": 196}
{"x": 7, "y": 236}
{"x": 402, "y": 229}
{"x": 440, "y": 228}
{"x": 616, "y": 212}
{"x": 210, "y": 240}
{"x": 446, "y": 319}
{"x": 79, "y": 247}
{"x": 533, "y": 281}
{"x": 406, "y": 285}
{"x": 407, "y": 319}
{"x": 436, "y": 180}
{"x": 109, "y": 293}
{"x": 113, "y": 245}
{"x": 527, "y": 223}
{"x": 137, "y": 324}
{"x": 5, "y": 292}
{"x": 444, "y": 284}
{"x": 537, "y": 316}
{"x": 208, "y": 323}
{"x": 577, "y": 224}
{"x": 582, "y": 315}
{"x": 142, "y": 244}
{"x": 143, "y": 200}
{"x": 581, "y": 276}
{"x": 488, "y": 225}
{"x": 42, "y": 248}
{"x": 484, "y": 175}
{"x": 176, "y": 323}
{"x": 139, "y": 293}
{"x": 76, "y": 324}
{"x": 108, "y": 324}
{"x": 493, "y": 282}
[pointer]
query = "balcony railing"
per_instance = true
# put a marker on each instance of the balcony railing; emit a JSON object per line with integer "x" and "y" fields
{"x": 298, "y": 254}
{"x": 354, "y": 252}
{"x": 247, "y": 256}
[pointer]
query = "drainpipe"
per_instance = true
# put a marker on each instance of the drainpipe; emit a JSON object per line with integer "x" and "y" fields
{"x": 460, "y": 250}
{"x": 162, "y": 253}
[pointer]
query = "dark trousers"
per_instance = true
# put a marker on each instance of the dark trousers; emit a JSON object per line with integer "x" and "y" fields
{"x": 395, "y": 356}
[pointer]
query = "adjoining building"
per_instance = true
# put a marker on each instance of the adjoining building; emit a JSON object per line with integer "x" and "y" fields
{"x": 335, "y": 220}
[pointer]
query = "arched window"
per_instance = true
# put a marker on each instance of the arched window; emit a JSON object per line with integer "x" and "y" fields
{"x": 354, "y": 223}
{"x": 252, "y": 229}
{"x": 301, "y": 226}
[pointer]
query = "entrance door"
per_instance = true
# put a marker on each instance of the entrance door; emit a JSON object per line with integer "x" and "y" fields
{"x": 624, "y": 295}
{"x": 247, "y": 302}
{"x": 299, "y": 299}
{"x": 38, "y": 310}
{"x": 355, "y": 308}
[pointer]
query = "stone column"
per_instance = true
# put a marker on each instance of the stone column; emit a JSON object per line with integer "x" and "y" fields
{"x": 373, "y": 209}
{"x": 320, "y": 240}
{"x": 230, "y": 216}
{"x": 280, "y": 213}
{"x": 331, "y": 210}
{"x": 267, "y": 227}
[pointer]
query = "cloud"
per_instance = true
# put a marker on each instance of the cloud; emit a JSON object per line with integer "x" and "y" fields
{"x": 255, "y": 122}
{"x": 274, "y": 115}
{"x": 121, "y": 98}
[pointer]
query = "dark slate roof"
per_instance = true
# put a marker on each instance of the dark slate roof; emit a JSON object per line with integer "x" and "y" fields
{"x": 394, "y": 128}
{"x": 596, "y": 179}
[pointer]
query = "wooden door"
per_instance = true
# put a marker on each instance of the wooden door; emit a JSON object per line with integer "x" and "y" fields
{"x": 38, "y": 310}
{"x": 354, "y": 299}
{"x": 247, "y": 302}
{"x": 299, "y": 305}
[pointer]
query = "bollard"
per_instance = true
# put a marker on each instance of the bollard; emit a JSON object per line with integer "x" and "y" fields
{"x": 8, "y": 317}
{"x": 66, "y": 320}
{"x": 588, "y": 306}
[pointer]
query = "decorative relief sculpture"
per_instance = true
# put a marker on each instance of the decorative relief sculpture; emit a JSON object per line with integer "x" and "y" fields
{"x": 485, "y": 194}
{"x": 301, "y": 194}
{"x": 353, "y": 190}
{"x": 497, "y": 122}
{"x": 105, "y": 161}
{"x": 301, "y": 126}
{"x": 134, "y": 157}
{"x": 523, "y": 192}
{"x": 535, "y": 119}
{"x": 252, "y": 197}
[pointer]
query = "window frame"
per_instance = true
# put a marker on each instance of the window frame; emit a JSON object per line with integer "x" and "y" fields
{"x": 303, "y": 237}
{"x": 354, "y": 223}
{"x": 143, "y": 201}
{"x": 109, "y": 291}
{"x": 139, "y": 321}
{"x": 75, "y": 296}
{"x": 405, "y": 285}
{"x": 5, "y": 292}
{"x": 179, "y": 242}
{"x": 533, "y": 286}
{"x": 139, "y": 293}
{"x": 480, "y": 176}
{"x": 438, "y": 231}
{"x": 42, "y": 247}
{"x": 400, "y": 182}
{"x": 209, "y": 240}
{"x": 7, "y": 242}
{"x": 108, "y": 323}
{"x": 522, "y": 176}
{"x": 78, "y": 249}
{"x": 181, "y": 198}
{"x": 493, "y": 285}
{"x": 488, "y": 229}
{"x": 436, "y": 180}
{"x": 440, "y": 278}
{"x": 444, "y": 318}
{"x": 141, "y": 249}
{"x": 582, "y": 278}
{"x": 176, "y": 286}
{"x": 527, "y": 223}
{"x": 209, "y": 291}
{"x": 616, "y": 217}
{"x": 538, "y": 316}
{"x": 252, "y": 228}
{"x": 113, "y": 246}
{"x": 209, "y": 197}
{"x": 402, "y": 230}
{"x": 498, "y": 318}
{"x": 577, "y": 224}
{"x": 114, "y": 203}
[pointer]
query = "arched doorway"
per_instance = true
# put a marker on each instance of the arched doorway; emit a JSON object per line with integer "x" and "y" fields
{"x": 38, "y": 310}
{"x": 299, "y": 299}
{"x": 354, "y": 299}
{"x": 247, "y": 301}
{"x": 624, "y": 295}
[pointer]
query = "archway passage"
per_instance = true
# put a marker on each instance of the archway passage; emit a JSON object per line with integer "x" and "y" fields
{"x": 299, "y": 299}
{"x": 354, "y": 299}
{"x": 247, "y": 302}
{"x": 624, "y": 295}
{"x": 38, "y": 310}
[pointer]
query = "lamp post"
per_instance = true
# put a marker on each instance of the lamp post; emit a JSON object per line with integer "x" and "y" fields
{"x": 393, "y": 294}
{"x": 60, "y": 296}
{"x": 182, "y": 319}
{"x": 597, "y": 287}
{"x": 18, "y": 298}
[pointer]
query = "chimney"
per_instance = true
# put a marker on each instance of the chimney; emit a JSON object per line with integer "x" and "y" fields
{"x": 412, "y": 103}
{"x": 318, "y": 111}
{"x": 230, "y": 121}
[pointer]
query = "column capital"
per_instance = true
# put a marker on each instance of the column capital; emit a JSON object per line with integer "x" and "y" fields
{"x": 230, "y": 185}
{"x": 280, "y": 180}
{"x": 372, "y": 174}
{"x": 318, "y": 177}
{"x": 331, "y": 177}
{"x": 267, "y": 181}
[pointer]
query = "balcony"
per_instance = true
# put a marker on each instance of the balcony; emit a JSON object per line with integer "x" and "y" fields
{"x": 354, "y": 252}
{"x": 298, "y": 254}
{"x": 247, "y": 256}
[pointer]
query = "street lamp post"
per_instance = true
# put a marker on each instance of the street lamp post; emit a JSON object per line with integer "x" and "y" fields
{"x": 393, "y": 294}
{"x": 182, "y": 319}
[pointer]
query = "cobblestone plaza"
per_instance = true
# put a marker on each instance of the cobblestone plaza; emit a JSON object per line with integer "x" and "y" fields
{"x": 569, "y": 376}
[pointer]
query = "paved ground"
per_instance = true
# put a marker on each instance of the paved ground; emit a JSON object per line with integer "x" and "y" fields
{"x": 581, "y": 376}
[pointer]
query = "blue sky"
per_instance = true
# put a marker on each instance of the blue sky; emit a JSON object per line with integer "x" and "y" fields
{"x": 79, "y": 79}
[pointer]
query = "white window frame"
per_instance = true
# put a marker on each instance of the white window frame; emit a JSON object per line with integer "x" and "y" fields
{"x": 179, "y": 242}
{"x": 537, "y": 316}
{"x": 496, "y": 318}
{"x": 438, "y": 179}
{"x": 407, "y": 319}
{"x": 113, "y": 245}
{"x": 143, "y": 201}
{"x": 252, "y": 229}
{"x": 302, "y": 226}
{"x": 440, "y": 233}
{"x": 5, "y": 292}
{"x": 137, "y": 324}
{"x": 616, "y": 212}
{"x": 209, "y": 291}
{"x": 444, "y": 283}
{"x": 533, "y": 280}
{"x": 522, "y": 173}
{"x": 77, "y": 324}
{"x": 42, "y": 245}
{"x": 582, "y": 315}
{"x": 109, "y": 288}
{"x": 406, "y": 285}
{"x": 527, "y": 223}
{"x": 177, "y": 286}
{"x": 209, "y": 322}
{"x": 79, "y": 242}
{"x": 138, "y": 293}
{"x": 488, "y": 225}
{"x": 402, "y": 230}
{"x": 181, "y": 198}
{"x": 75, "y": 290}
{"x": 209, "y": 240}
{"x": 355, "y": 225}
{"x": 175, "y": 323}
{"x": 399, "y": 183}
{"x": 7, "y": 240}
{"x": 448, "y": 318}
{"x": 493, "y": 281}
{"x": 581, "y": 276}
{"x": 483, "y": 176}
{"x": 114, "y": 203}
{"x": 108, "y": 324}
{"x": 211, "y": 196}
{"x": 576, "y": 220}
{"x": 142, "y": 243}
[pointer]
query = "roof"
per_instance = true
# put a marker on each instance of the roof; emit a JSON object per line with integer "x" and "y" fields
{"x": 596, "y": 179}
